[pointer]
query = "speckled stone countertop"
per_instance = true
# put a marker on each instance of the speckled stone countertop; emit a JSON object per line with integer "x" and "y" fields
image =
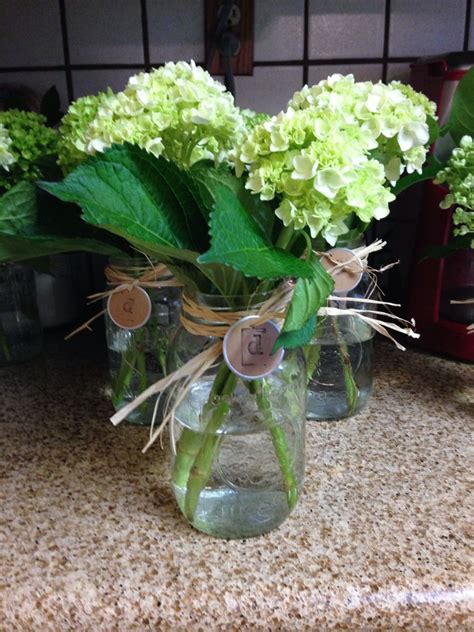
{"x": 91, "y": 538}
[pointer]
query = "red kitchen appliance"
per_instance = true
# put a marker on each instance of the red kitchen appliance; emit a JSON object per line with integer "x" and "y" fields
{"x": 434, "y": 283}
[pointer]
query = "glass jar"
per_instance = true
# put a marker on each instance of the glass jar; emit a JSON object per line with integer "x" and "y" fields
{"x": 137, "y": 357}
{"x": 20, "y": 328}
{"x": 238, "y": 445}
{"x": 339, "y": 359}
{"x": 62, "y": 289}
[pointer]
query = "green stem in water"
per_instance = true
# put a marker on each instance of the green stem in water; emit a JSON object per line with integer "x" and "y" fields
{"x": 312, "y": 354}
{"x": 124, "y": 377}
{"x": 189, "y": 443}
{"x": 202, "y": 466}
{"x": 261, "y": 390}
{"x": 133, "y": 360}
{"x": 140, "y": 363}
{"x": 352, "y": 391}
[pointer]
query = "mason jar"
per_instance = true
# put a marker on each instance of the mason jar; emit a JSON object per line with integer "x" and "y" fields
{"x": 137, "y": 357}
{"x": 20, "y": 328}
{"x": 238, "y": 445}
{"x": 339, "y": 359}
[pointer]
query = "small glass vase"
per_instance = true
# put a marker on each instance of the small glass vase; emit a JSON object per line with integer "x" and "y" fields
{"x": 238, "y": 446}
{"x": 20, "y": 328}
{"x": 339, "y": 361}
{"x": 137, "y": 357}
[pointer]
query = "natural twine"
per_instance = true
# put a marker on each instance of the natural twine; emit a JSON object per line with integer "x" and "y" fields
{"x": 149, "y": 276}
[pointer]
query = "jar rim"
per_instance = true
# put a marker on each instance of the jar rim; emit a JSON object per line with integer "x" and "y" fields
{"x": 138, "y": 265}
{"x": 231, "y": 302}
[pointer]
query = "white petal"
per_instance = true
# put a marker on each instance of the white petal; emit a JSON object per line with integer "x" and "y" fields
{"x": 413, "y": 135}
{"x": 305, "y": 168}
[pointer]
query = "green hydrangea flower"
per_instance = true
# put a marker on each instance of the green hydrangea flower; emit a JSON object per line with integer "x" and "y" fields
{"x": 335, "y": 150}
{"x": 177, "y": 111}
{"x": 252, "y": 118}
{"x": 459, "y": 176}
{"x": 31, "y": 140}
{"x": 6, "y": 157}
{"x": 73, "y": 128}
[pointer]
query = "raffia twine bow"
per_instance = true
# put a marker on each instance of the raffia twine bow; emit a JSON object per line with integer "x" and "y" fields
{"x": 200, "y": 320}
{"x": 149, "y": 276}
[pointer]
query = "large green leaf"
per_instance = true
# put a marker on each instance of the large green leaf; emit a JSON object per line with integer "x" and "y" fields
{"x": 208, "y": 178}
{"x": 237, "y": 241}
{"x": 309, "y": 295}
{"x": 461, "y": 117}
{"x": 139, "y": 197}
{"x": 23, "y": 248}
{"x": 34, "y": 224}
{"x": 18, "y": 208}
{"x": 433, "y": 128}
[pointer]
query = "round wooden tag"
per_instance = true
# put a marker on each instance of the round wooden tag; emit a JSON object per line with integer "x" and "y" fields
{"x": 346, "y": 277}
{"x": 129, "y": 307}
{"x": 248, "y": 349}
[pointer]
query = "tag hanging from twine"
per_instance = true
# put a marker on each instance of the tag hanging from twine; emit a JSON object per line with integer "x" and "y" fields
{"x": 129, "y": 276}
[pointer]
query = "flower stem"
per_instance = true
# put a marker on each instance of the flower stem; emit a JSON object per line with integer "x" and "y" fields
{"x": 133, "y": 360}
{"x": 123, "y": 377}
{"x": 189, "y": 443}
{"x": 285, "y": 237}
{"x": 352, "y": 390}
{"x": 202, "y": 466}
{"x": 261, "y": 388}
{"x": 312, "y": 354}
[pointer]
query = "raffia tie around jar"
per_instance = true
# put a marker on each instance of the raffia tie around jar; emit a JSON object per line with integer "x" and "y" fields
{"x": 147, "y": 277}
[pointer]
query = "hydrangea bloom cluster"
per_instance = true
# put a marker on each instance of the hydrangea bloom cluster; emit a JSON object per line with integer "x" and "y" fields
{"x": 6, "y": 157}
{"x": 334, "y": 151}
{"x": 74, "y": 125}
{"x": 459, "y": 176}
{"x": 394, "y": 115}
{"x": 31, "y": 140}
{"x": 177, "y": 111}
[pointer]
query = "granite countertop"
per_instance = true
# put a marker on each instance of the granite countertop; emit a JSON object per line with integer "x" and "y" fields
{"x": 92, "y": 540}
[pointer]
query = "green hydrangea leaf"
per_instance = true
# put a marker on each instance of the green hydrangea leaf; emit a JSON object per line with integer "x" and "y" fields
{"x": 237, "y": 241}
{"x": 434, "y": 129}
{"x": 309, "y": 295}
{"x": 298, "y": 337}
{"x": 461, "y": 117}
{"x": 27, "y": 247}
{"x": 208, "y": 177}
{"x": 18, "y": 208}
{"x": 34, "y": 224}
{"x": 144, "y": 199}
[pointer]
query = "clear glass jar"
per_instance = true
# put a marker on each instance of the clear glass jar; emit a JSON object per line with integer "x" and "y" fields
{"x": 238, "y": 446}
{"x": 20, "y": 328}
{"x": 137, "y": 357}
{"x": 339, "y": 363}
{"x": 339, "y": 360}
